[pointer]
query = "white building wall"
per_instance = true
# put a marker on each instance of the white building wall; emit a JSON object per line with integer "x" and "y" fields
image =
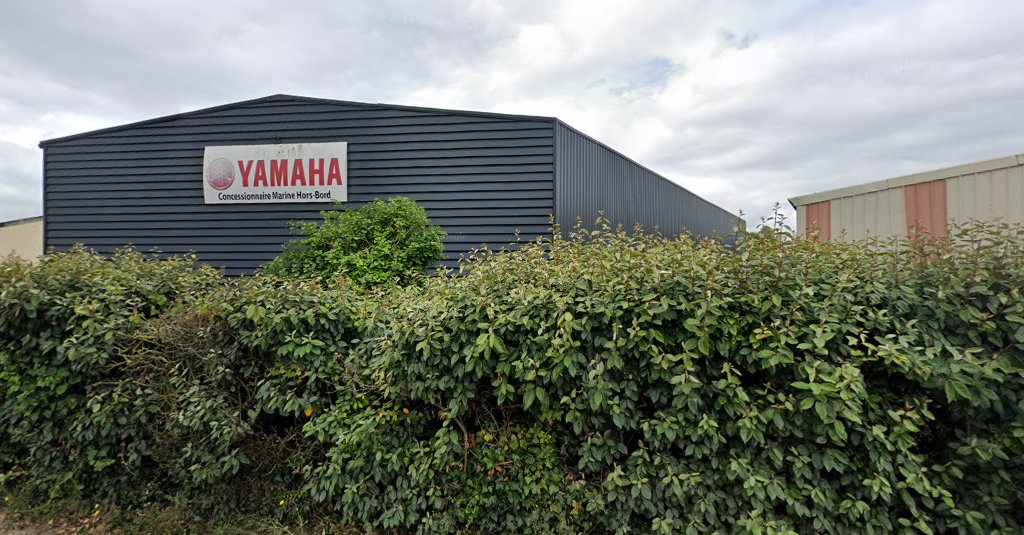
{"x": 801, "y": 219}
{"x": 22, "y": 238}
{"x": 988, "y": 195}
{"x": 878, "y": 214}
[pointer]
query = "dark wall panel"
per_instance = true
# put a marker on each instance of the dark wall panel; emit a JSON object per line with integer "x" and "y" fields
{"x": 592, "y": 179}
{"x": 481, "y": 177}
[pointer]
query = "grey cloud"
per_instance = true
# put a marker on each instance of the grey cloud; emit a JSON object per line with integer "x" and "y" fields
{"x": 743, "y": 102}
{"x": 20, "y": 186}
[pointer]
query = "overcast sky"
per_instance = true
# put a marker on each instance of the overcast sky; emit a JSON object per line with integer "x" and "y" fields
{"x": 744, "y": 103}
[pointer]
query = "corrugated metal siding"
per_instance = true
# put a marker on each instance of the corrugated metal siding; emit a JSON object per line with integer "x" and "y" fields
{"x": 998, "y": 193}
{"x": 925, "y": 206}
{"x": 879, "y": 214}
{"x": 591, "y": 179}
{"x": 819, "y": 216}
{"x": 987, "y": 190}
{"x": 480, "y": 177}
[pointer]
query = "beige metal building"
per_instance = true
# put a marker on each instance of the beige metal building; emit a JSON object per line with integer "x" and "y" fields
{"x": 929, "y": 201}
{"x": 22, "y": 237}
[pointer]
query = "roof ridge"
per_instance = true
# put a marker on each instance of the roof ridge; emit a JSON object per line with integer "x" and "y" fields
{"x": 279, "y": 97}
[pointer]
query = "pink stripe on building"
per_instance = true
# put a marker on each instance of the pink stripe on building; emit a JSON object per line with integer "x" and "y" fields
{"x": 819, "y": 216}
{"x": 926, "y": 208}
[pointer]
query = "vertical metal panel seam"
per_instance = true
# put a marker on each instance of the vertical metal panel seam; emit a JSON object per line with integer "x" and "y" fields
{"x": 44, "y": 202}
{"x": 555, "y": 173}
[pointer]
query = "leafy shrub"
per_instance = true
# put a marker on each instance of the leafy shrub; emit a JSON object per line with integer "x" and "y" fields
{"x": 603, "y": 383}
{"x": 232, "y": 378}
{"x": 133, "y": 379}
{"x": 64, "y": 424}
{"x": 383, "y": 243}
{"x": 789, "y": 386}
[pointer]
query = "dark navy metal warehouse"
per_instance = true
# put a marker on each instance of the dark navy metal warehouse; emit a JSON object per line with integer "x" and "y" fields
{"x": 481, "y": 176}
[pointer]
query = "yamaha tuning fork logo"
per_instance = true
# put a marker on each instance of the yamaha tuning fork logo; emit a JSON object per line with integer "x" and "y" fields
{"x": 220, "y": 174}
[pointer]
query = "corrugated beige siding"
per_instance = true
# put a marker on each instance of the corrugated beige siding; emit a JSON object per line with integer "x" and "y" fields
{"x": 24, "y": 239}
{"x": 819, "y": 218}
{"x": 878, "y": 213}
{"x": 992, "y": 189}
{"x": 998, "y": 193}
{"x": 925, "y": 206}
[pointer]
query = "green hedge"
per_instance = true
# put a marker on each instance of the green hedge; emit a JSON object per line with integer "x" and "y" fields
{"x": 66, "y": 425}
{"x": 601, "y": 383}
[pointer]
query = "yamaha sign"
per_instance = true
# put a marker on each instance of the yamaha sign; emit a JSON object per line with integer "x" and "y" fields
{"x": 298, "y": 172}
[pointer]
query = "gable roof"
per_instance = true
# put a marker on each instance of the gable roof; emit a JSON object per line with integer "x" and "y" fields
{"x": 292, "y": 98}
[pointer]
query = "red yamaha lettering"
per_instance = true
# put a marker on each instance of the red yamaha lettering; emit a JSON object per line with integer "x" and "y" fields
{"x": 316, "y": 171}
{"x": 278, "y": 173}
{"x": 261, "y": 175}
{"x": 334, "y": 173}
{"x": 298, "y": 174}
{"x": 245, "y": 169}
{"x": 305, "y": 172}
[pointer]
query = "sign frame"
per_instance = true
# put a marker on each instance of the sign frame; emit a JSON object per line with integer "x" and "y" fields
{"x": 280, "y": 173}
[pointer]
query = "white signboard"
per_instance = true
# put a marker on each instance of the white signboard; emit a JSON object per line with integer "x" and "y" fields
{"x": 298, "y": 172}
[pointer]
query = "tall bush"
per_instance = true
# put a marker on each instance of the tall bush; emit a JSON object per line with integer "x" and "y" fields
{"x": 383, "y": 243}
{"x": 233, "y": 379}
{"x": 602, "y": 383}
{"x": 64, "y": 424}
{"x": 788, "y": 386}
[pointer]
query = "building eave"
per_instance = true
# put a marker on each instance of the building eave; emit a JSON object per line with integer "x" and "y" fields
{"x": 907, "y": 180}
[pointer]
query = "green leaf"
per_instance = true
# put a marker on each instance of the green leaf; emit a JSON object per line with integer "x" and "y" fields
{"x": 528, "y": 396}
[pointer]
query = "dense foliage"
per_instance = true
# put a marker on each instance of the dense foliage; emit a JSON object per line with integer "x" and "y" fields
{"x": 383, "y": 243}
{"x": 65, "y": 424}
{"x": 602, "y": 383}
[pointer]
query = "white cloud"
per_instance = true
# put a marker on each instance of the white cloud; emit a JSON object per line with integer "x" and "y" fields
{"x": 744, "y": 102}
